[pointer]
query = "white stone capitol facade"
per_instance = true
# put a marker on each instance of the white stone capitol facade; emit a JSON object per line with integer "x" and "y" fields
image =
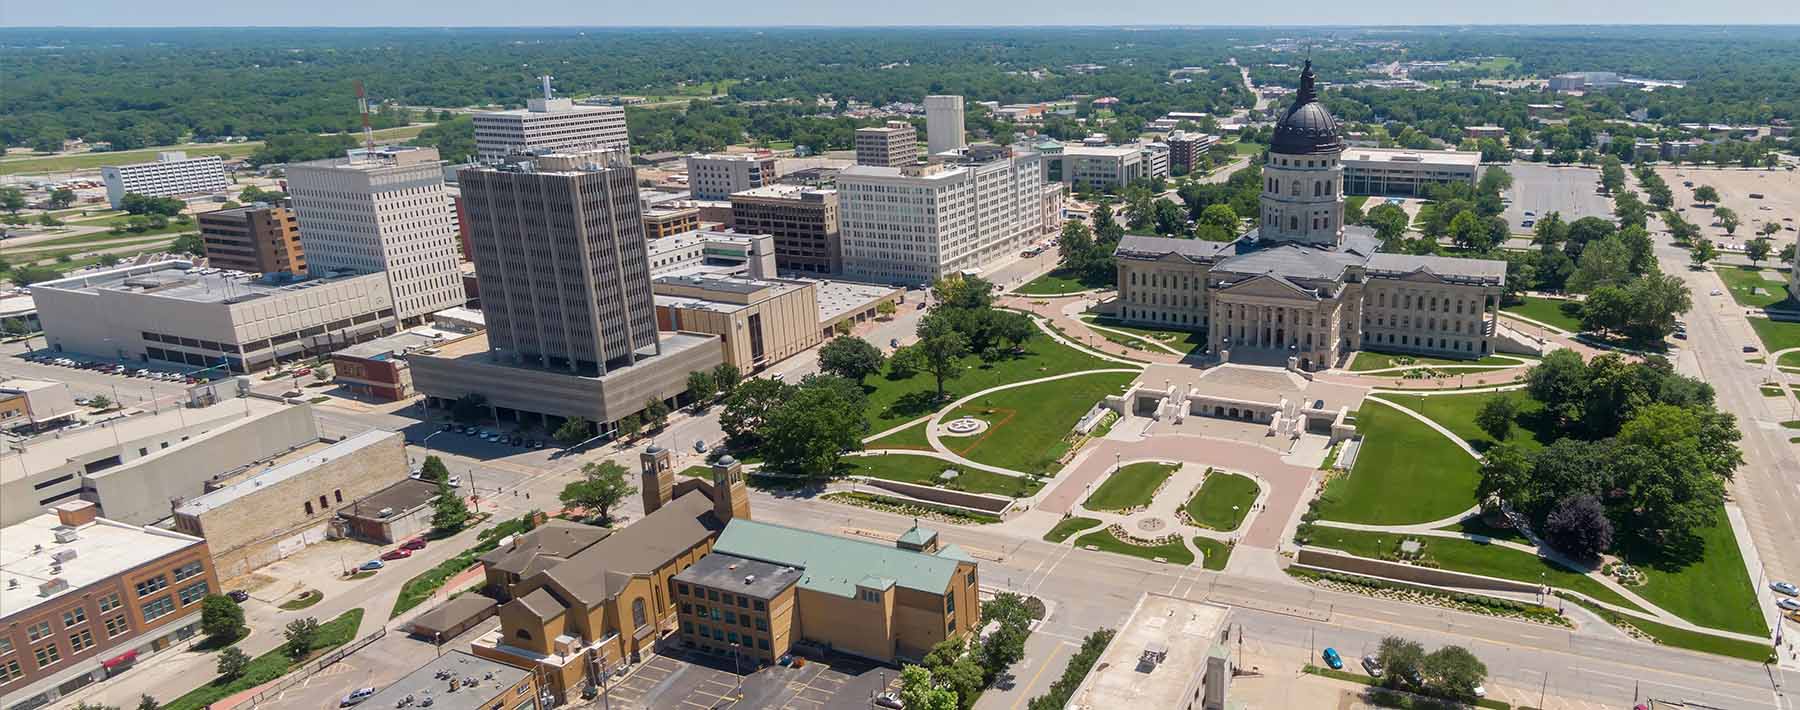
{"x": 1303, "y": 284}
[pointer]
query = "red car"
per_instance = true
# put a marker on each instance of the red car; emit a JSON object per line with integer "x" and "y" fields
{"x": 417, "y": 543}
{"x": 396, "y": 554}
{"x": 302, "y": 372}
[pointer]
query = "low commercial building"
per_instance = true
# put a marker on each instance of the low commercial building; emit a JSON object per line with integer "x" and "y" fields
{"x": 133, "y": 466}
{"x": 269, "y": 514}
{"x": 32, "y": 404}
{"x": 258, "y": 239}
{"x": 850, "y": 302}
{"x": 715, "y": 176}
{"x": 378, "y": 369}
{"x": 1387, "y": 172}
{"x": 392, "y": 514}
{"x": 93, "y": 596}
{"x": 1480, "y": 132}
{"x": 758, "y": 322}
{"x": 751, "y": 255}
{"x": 459, "y": 680}
{"x": 1584, "y": 81}
{"x": 892, "y": 145}
{"x": 803, "y": 221}
{"x": 18, "y": 311}
{"x": 172, "y": 312}
{"x": 172, "y": 175}
{"x": 659, "y": 223}
{"x": 1170, "y": 655}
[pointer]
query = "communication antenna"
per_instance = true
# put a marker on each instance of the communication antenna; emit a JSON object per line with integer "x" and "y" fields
{"x": 362, "y": 104}
{"x": 546, "y": 79}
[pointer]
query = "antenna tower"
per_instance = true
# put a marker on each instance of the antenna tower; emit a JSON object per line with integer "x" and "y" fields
{"x": 362, "y": 104}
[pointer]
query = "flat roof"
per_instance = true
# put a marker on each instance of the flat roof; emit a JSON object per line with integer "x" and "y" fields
{"x": 27, "y": 386}
{"x": 1422, "y": 157}
{"x": 783, "y": 190}
{"x": 696, "y": 237}
{"x": 1107, "y": 151}
{"x": 179, "y": 279}
{"x": 210, "y": 501}
{"x": 1184, "y": 631}
{"x": 476, "y": 346}
{"x": 101, "y": 549}
{"x": 837, "y": 298}
{"x": 751, "y": 578}
{"x": 399, "y": 343}
{"x": 836, "y": 565}
{"x": 59, "y": 447}
{"x": 482, "y": 680}
{"x": 401, "y": 497}
{"x": 13, "y": 305}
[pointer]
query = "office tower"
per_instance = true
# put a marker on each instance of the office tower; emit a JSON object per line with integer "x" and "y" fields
{"x": 384, "y": 210}
{"x": 258, "y": 239}
{"x": 944, "y": 123}
{"x": 172, "y": 175}
{"x": 892, "y": 145}
{"x": 716, "y": 176}
{"x": 550, "y": 124}
{"x": 560, "y": 250}
{"x": 914, "y": 225}
{"x": 803, "y": 220}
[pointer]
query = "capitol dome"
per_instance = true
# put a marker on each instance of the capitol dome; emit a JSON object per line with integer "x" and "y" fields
{"x": 1307, "y": 128}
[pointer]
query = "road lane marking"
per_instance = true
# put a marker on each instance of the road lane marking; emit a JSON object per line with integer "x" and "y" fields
{"x": 1025, "y": 693}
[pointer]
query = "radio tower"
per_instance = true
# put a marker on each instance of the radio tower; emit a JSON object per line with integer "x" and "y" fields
{"x": 362, "y": 104}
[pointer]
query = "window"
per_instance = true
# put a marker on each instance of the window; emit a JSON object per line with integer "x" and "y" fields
{"x": 731, "y": 636}
{"x": 950, "y": 604}
{"x": 188, "y": 570}
{"x": 760, "y": 606}
{"x": 951, "y": 628}
{"x": 309, "y": 507}
{"x": 761, "y": 624}
{"x": 687, "y": 608}
{"x": 637, "y": 612}
{"x": 10, "y": 671}
{"x": 762, "y": 644}
{"x": 730, "y": 618}
{"x": 5, "y": 645}
{"x": 712, "y": 595}
{"x": 681, "y": 588}
{"x": 158, "y": 608}
{"x": 74, "y": 616}
{"x": 79, "y": 641}
{"x": 869, "y": 596}
{"x": 687, "y": 626}
{"x": 47, "y": 655}
{"x": 339, "y": 494}
{"x": 109, "y": 602}
{"x": 38, "y": 631}
{"x": 193, "y": 593}
{"x": 152, "y": 586}
{"x": 743, "y": 602}
{"x": 116, "y": 626}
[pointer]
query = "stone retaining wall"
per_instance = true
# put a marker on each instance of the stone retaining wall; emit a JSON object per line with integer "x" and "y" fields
{"x": 931, "y": 494}
{"x": 1343, "y": 562}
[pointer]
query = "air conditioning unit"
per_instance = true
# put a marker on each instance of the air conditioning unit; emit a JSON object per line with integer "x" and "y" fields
{"x": 63, "y": 555}
{"x": 63, "y": 533}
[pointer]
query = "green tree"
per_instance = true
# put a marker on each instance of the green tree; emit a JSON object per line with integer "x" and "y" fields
{"x": 108, "y": 259}
{"x": 940, "y": 351}
{"x": 1603, "y": 263}
{"x": 1390, "y": 223}
{"x": 1170, "y": 218}
{"x": 851, "y": 358}
{"x": 1758, "y": 249}
{"x": 1769, "y": 229}
{"x": 29, "y": 275}
{"x": 1579, "y": 527}
{"x": 1507, "y": 471}
{"x": 189, "y": 244}
{"x": 1006, "y": 644}
{"x": 1076, "y": 246}
{"x": 434, "y": 470}
{"x": 630, "y": 426}
{"x": 1496, "y": 416}
{"x": 12, "y": 199}
{"x": 1727, "y": 218}
{"x": 1106, "y": 230}
{"x": 1560, "y": 382}
{"x": 809, "y": 433}
{"x": 748, "y": 408}
{"x": 726, "y": 377}
{"x": 232, "y": 662}
{"x": 48, "y": 220}
{"x": 1670, "y": 472}
{"x": 221, "y": 618}
{"x": 300, "y": 636}
{"x": 145, "y": 702}
{"x": 1223, "y": 217}
{"x": 602, "y": 485}
{"x": 573, "y": 430}
{"x": 1454, "y": 672}
{"x": 656, "y": 413}
{"x": 701, "y": 387}
{"x": 1706, "y": 195}
{"x": 61, "y": 198}
{"x": 1402, "y": 660}
{"x": 1702, "y": 252}
{"x": 449, "y": 513}
{"x": 100, "y": 403}
{"x": 886, "y": 309}
{"x": 918, "y": 691}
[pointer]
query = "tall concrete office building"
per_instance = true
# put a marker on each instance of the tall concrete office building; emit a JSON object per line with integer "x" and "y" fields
{"x": 384, "y": 210}
{"x": 914, "y": 225}
{"x": 550, "y": 124}
{"x": 565, "y": 274}
{"x": 715, "y": 176}
{"x": 892, "y": 145}
{"x": 944, "y": 124}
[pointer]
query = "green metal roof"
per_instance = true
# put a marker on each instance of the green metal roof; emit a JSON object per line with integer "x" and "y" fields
{"x": 918, "y": 535}
{"x": 956, "y": 553}
{"x": 832, "y": 564}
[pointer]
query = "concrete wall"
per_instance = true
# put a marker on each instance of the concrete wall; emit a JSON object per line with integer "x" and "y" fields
{"x": 1333, "y": 560}
{"x": 961, "y": 499}
{"x": 140, "y": 491}
{"x": 604, "y": 400}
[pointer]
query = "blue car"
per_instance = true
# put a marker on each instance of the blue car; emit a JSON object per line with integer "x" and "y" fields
{"x": 1333, "y": 659}
{"x": 371, "y": 565}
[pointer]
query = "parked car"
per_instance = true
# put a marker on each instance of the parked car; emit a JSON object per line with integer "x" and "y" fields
{"x": 1749, "y": 348}
{"x": 1479, "y": 690}
{"x": 699, "y": 446}
{"x": 889, "y": 700}
{"x": 356, "y": 696}
{"x": 398, "y": 553}
{"x": 1787, "y": 588}
{"x": 417, "y": 543}
{"x": 518, "y": 441}
{"x": 1333, "y": 659}
{"x": 238, "y": 595}
{"x": 537, "y": 444}
{"x": 1372, "y": 666}
{"x": 1788, "y": 604}
{"x": 371, "y": 565}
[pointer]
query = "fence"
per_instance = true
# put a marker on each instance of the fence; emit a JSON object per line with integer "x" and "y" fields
{"x": 299, "y": 676}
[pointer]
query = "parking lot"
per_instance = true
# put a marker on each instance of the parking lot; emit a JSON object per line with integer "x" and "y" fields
{"x": 1779, "y": 204}
{"x": 1541, "y": 189}
{"x": 693, "y": 681}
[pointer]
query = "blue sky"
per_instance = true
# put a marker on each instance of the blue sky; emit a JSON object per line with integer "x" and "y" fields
{"x": 413, "y": 13}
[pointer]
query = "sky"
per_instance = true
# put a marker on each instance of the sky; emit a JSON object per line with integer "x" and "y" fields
{"x": 698, "y": 13}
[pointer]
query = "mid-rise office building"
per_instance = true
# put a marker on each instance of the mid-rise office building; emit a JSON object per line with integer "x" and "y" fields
{"x": 550, "y": 125}
{"x": 715, "y": 176}
{"x": 670, "y": 221}
{"x": 1171, "y": 654}
{"x": 758, "y": 322}
{"x": 382, "y": 211}
{"x": 914, "y": 225}
{"x": 803, "y": 220}
{"x": 892, "y": 145}
{"x": 92, "y": 597}
{"x": 1385, "y": 172}
{"x": 259, "y": 239}
{"x": 172, "y": 175}
{"x": 944, "y": 124}
{"x": 723, "y": 253}
{"x": 1188, "y": 149}
{"x": 1104, "y": 167}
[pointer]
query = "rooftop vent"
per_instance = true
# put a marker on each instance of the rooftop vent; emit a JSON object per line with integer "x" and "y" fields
{"x": 749, "y": 578}
{"x": 63, "y": 555}
{"x": 63, "y": 533}
{"x": 53, "y": 587}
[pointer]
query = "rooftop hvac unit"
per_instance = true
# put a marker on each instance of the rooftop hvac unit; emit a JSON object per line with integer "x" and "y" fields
{"x": 52, "y": 587}
{"x": 384, "y": 512}
{"x": 63, "y": 555}
{"x": 63, "y": 533}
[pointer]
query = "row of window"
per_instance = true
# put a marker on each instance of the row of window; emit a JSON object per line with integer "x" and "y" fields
{"x": 712, "y": 595}
{"x": 731, "y": 637}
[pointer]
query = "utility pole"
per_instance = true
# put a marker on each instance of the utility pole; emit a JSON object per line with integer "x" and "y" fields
{"x": 1542, "y": 689}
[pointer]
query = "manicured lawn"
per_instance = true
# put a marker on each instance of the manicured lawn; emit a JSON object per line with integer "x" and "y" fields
{"x": 1059, "y": 281}
{"x": 1546, "y": 310}
{"x": 1475, "y": 526}
{"x": 1777, "y": 336}
{"x": 1130, "y": 487}
{"x": 1172, "y": 552}
{"x": 303, "y": 600}
{"x": 1069, "y": 526}
{"x": 896, "y": 401}
{"x": 1473, "y": 557}
{"x": 1683, "y": 638}
{"x": 1222, "y": 501}
{"x": 1742, "y": 282}
{"x": 1457, "y": 413}
{"x": 1183, "y": 341}
{"x": 1715, "y": 591}
{"x": 696, "y": 472}
{"x": 924, "y": 471}
{"x": 1370, "y": 360}
{"x": 912, "y": 437}
{"x": 271, "y": 665}
{"x": 1215, "y": 554}
{"x": 1028, "y": 427}
{"x": 1406, "y": 473}
{"x": 1248, "y": 148}
{"x": 901, "y": 506}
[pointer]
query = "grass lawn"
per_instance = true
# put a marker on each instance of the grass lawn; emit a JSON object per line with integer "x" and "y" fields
{"x": 425, "y": 584}
{"x": 1367, "y": 360}
{"x": 1457, "y": 413}
{"x": 1714, "y": 592}
{"x": 93, "y": 240}
{"x": 1130, "y": 487}
{"x": 1248, "y": 148}
{"x": 1029, "y": 427}
{"x": 1742, "y": 282}
{"x": 1546, "y": 310}
{"x": 1683, "y": 638}
{"x": 271, "y": 665}
{"x": 1069, "y": 526}
{"x": 93, "y": 161}
{"x": 1406, "y": 473}
{"x": 1222, "y": 501}
{"x": 1473, "y": 557}
{"x": 912, "y": 437}
{"x": 1216, "y": 554}
{"x": 897, "y": 401}
{"x": 924, "y": 471}
{"x": 1058, "y": 281}
{"x": 696, "y": 472}
{"x": 304, "y": 600}
{"x": 1777, "y": 336}
{"x": 1172, "y": 552}
{"x": 1475, "y": 526}
{"x": 1183, "y": 341}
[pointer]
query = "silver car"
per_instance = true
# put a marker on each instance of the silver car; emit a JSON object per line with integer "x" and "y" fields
{"x": 1787, "y": 588}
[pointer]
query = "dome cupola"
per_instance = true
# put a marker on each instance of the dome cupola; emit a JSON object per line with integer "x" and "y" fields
{"x": 1306, "y": 128}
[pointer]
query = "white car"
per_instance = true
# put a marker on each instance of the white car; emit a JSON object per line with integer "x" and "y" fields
{"x": 1788, "y": 604}
{"x": 1479, "y": 691}
{"x": 356, "y": 696}
{"x": 1787, "y": 588}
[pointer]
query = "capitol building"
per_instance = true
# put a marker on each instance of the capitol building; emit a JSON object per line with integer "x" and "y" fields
{"x": 1303, "y": 287}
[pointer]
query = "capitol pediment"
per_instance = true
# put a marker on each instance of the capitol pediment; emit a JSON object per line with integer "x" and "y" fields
{"x": 1268, "y": 286}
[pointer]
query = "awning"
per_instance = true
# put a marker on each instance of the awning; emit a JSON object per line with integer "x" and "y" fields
{"x": 120, "y": 659}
